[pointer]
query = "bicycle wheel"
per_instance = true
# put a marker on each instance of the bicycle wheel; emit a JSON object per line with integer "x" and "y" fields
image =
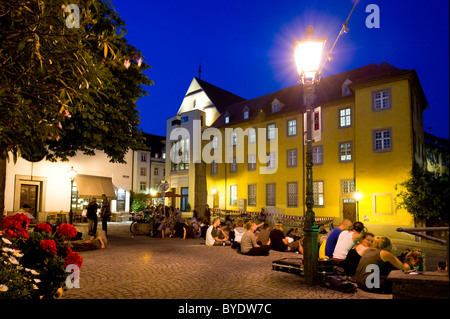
{"x": 132, "y": 226}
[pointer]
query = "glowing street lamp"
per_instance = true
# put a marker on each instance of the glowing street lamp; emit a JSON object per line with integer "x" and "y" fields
{"x": 307, "y": 55}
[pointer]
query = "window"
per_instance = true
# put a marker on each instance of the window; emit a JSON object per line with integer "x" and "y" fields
{"x": 233, "y": 165}
{"x": 246, "y": 113}
{"x": 271, "y": 131}
{"x": 143, "y": 157}
{"x": 345, "y": 118}
{"x": 292, "y": 127}
{"x": 227, "y": 118}
{"x": 345, "y": 152}
{"x": 382, "y": 140}
{"x": 156, "y": 171}
{"x": 251, "y": 194}
{"x": 270, "y": 194}
{"x": 381, "y": 99}
{"x": 317, "y": 155}
{"x": 142, "y": 186}
{"x": 252, "y": 135}
{"x": 347, "y": 186}
{"x": 292, "y": 194}
{"x": 318, "y": 193}
{"x": 215, "y": 142}
{"x": 233, "y": 195}
{"x": 233, "y": 139}
{"x": 251, "y": 162}
{"x": 180, "y": 155}
{"x": 272, "y": 163}
{"x": 214, "y": 168}
{"x": 143, "y": 171}
{"x": 292, "y": 158}
{"x": 184, "y": 119}
{"x": 275, "y": 107}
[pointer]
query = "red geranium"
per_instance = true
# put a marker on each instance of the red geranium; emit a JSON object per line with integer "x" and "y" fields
{"x": 43, "y": 227}
{"x": 16, "y": 225}
{"x": 73, "y": 258}
{"x": 67, "y": 231}
{"x": 49, "y": 244}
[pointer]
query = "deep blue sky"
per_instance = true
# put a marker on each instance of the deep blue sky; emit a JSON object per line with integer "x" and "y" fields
{"x": 246, "y": 46}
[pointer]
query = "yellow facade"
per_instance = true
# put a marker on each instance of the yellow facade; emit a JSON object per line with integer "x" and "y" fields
{"x": 373, "y": 172}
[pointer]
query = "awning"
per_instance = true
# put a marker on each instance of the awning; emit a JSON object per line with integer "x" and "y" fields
{"x": 94, "y": 186}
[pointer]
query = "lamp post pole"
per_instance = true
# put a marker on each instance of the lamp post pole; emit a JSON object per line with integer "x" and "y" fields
{"x": 72, "y": 174}
{"x": 310, "y": 229}
{"x": 307, "y": 54}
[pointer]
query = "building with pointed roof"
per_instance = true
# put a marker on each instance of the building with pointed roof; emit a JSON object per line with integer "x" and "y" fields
{"x": 369, "y": 134}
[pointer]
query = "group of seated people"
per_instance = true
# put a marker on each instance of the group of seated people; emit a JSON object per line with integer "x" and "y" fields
{"x": 355, "y": 251}
{"x": 250, "y": 238}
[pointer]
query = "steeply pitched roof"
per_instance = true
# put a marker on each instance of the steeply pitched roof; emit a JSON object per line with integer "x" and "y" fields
{"x": 218, "y": 96}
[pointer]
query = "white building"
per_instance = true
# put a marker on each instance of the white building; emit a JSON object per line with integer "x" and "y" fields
{"x": 45, "y": 186}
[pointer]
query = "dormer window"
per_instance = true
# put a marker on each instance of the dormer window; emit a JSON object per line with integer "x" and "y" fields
{"x": 345, "y": 90}
{"x": 275, "y": 107}
{"x": 246, "y": 113}
{"x": 194, "y": 103}
{"x": 227, "y": 118}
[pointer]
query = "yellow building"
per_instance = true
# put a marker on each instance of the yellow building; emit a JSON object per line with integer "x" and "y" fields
{"x": 369, "y": 133}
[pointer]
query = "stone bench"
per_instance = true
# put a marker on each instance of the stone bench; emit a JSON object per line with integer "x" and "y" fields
{"x": 426, "y": 285}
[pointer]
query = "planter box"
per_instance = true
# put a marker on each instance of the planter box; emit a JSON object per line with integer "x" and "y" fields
{"x": 427, "y": 285}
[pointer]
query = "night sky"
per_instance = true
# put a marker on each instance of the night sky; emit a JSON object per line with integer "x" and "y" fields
{"x": 246, "y": 47}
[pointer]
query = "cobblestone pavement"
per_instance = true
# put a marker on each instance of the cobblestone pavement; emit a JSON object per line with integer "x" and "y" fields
{"x": 140, "y": 267}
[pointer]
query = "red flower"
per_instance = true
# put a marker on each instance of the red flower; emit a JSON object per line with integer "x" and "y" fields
{"x": 74, "y": 258}
{"x": 16, "y": 223}
{"x": 49, "y": 244}
{"x": 66, "y": 230}
{"x": 43, "y": 227}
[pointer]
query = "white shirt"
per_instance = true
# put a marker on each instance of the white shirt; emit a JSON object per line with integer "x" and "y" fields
{"x": 209, "y": 240}
{"x": 344, "y": 244}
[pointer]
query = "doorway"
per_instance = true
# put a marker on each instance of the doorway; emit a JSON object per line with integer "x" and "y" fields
{"x": 349, "y": 209}
{"x": 29, "y": 195}
{"x": 184, "y": 199}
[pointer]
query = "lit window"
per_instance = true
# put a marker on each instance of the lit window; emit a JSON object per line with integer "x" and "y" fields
{"x": 345, "y": 118}
{"x": 318, "y": 193}
{"x": 276, "y": 107}
{"x": 345, "y": 152}
{"x": 271, "y": 131}
{"x": 292, "y": 128}
{"x": 251, "y": 164}
{"x": 233, "y": 195}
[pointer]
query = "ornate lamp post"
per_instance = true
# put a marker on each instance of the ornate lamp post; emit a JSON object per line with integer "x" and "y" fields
{"x": 72, "y": 174}
{"x": 307, "y": 54}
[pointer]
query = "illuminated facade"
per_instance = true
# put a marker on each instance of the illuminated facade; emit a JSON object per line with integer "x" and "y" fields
{"x": 370, "y": 132}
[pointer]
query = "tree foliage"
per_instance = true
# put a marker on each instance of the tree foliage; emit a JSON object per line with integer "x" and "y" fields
{"x": 425, "y": 194}
{"x": 63, "y": 89}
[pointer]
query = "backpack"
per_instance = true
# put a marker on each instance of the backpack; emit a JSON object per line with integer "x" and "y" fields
{"x": 338, "y": 283}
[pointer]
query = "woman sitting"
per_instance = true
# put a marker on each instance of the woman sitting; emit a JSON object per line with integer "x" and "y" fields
{"x": 249, "y": 245}
{"x": 376, "y": 264}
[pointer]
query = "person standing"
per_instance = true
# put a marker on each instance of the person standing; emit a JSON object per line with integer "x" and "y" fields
{"x": 105, "y": 213}
{"x": 92, "y": 219}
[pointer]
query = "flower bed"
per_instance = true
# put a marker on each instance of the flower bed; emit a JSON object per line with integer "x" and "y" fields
{"x": 33, "y": 264}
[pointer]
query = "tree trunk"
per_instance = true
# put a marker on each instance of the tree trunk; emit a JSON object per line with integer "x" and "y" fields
{"x": 2, "y": 185}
